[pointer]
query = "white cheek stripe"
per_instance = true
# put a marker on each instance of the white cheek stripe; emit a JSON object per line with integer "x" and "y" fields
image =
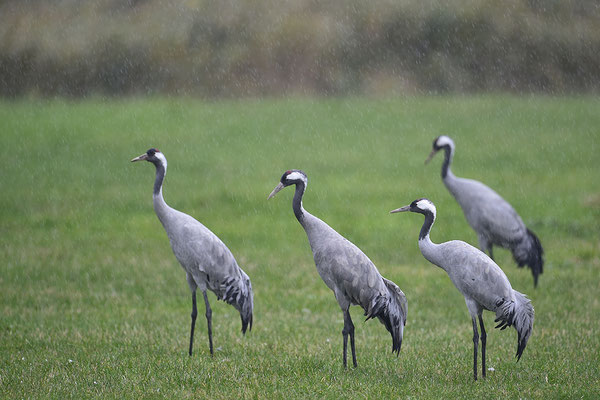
{"x": 444, "y": 140}
{"x": 295, "y": 175}
{"x": 426, "y": 205}
{"x": 162, "y": 158}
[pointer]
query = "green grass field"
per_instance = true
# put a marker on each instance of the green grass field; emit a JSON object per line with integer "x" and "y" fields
{"x": 93, "y": 302}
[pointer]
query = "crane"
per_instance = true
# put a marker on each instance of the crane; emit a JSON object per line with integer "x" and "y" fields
{"x": 481, "y": 281}
{"x": 348, "y": 272}
{"x": 208, "y": 263}
{"x": 493, "y": 219}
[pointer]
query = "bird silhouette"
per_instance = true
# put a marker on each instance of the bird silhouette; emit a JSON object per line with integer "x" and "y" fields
{"x": 481, "y": 281}
{"x": 348, "y": 272}
{"x": 493, "y": 219}
{"x": 208, "y": 263}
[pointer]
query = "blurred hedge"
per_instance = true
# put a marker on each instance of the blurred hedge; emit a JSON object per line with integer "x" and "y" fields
{"x": 274, "y": 47}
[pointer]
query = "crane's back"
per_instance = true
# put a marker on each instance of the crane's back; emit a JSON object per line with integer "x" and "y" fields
{"x": 486, "y": 211}
{"x": 342, "y": 265}
{"x": 474, "y": 273}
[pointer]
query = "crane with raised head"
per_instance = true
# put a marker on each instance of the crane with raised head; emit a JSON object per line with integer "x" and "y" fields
{"x": 481, "y": 281}
{"x": 208, "y": 263}
{"x": 493, "y": 219}
{"x": 348, "y": 272}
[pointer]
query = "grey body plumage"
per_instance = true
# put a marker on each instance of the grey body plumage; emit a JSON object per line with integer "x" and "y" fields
{"x": 481, "y": 281}
{"x": 493, "y": 219}
{"x": 208, "y": 263}
{"x": 348, "y": 272}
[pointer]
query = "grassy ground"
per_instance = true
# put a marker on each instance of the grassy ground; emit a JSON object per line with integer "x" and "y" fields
{"x": 93, "y": 302}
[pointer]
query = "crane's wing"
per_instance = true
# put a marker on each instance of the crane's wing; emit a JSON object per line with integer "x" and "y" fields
{"x": 351, "y": 271}
{"x": 475, "y": 274}
{"x": 487, "y": 212}
{"x": 200, "y": 250}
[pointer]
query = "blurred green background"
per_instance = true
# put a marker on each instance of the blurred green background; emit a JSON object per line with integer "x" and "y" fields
{"x": 265, "y": 47}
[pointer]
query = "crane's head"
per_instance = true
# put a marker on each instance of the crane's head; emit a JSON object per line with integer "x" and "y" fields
{"x": 439, "y": 143}
{"x": 291, "y": 177}
{"x": 154, "y": 156}
{"x": 421, "y": 206}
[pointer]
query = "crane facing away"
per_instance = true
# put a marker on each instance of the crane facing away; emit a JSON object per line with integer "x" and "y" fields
{"x": 348, "y": 272}
{"x": 481, "y": 281}
{"x": 208, "y": 263}
{"x": 493, "y": 219}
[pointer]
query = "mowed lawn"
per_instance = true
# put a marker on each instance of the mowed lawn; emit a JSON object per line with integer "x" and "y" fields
{"x": 93, "y": 302}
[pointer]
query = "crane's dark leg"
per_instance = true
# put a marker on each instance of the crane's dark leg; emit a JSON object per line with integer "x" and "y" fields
{"x": 483, "y": 340}
{"x": 194, "y": 314}
{"x": 475, "y": 346}
{"x": 349, "y": 329}
{"x": 208, "y": 321}
{"x": 486, "y": 246}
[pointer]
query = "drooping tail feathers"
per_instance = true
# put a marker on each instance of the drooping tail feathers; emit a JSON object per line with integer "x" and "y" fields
{"x": 530, "y": 252}
{"x": 238, "y": 293}
{"x": 391, "y": 311}
{"x": 519, "y": 314}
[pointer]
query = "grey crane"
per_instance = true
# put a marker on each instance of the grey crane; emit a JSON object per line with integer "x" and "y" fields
{"x": 208, "y": 263}
{"x": 493, "y": 219}
{"x": 348, "y": 272}
{"x": 481, "y": 281}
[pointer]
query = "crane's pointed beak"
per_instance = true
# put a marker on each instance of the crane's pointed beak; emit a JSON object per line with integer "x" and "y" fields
{"x": 140, "y": 158}
{"x": 277, "y": 189}
{"x": 401, "y": 209}
{"x": 431, "y": 155}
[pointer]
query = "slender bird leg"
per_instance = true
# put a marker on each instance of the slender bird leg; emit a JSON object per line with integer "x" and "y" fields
{"x": 345, "y": 336}
{"x": 486, "y": 246}
{"x": 194, "y": 314}
{"x": 483, "y": 339}
{"x": 475, "y": 346}
{"x": 208, "y": 321}
{"x": 349, "y": 328}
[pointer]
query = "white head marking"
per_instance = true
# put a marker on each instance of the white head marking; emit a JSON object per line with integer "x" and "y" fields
{"x": 445, "y": 141}
{"x": 425, "y": 204}
{"x": 295, "y": 175}
{"x": 162, "y": 159}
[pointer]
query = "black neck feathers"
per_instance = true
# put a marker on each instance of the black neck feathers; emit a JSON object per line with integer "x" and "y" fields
{"x": 160, "y": 176}
{"x": 426, "y": 228}
{"x": 297, "y": 202}
{"x": 446, "y": 164}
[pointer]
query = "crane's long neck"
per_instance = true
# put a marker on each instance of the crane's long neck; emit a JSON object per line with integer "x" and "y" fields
{"x": 297, "y": 202}
{"x": 448, "y": 155}
{"x": 426, "y": 228}
{"x": 428, "y": 248}
{"x": 160, "y": 206}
